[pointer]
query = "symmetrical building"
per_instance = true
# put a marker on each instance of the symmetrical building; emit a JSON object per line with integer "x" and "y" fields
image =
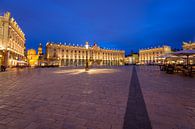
{"x": 12, "y": 42}
{"x": 65, "y": 55}
{"x": 150, "y": 55}
{"x": 188, "y": 46}
{"x": 132, "y": 59}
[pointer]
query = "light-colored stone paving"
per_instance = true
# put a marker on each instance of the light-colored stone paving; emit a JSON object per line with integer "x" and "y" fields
{"x": 64, "y": 98}
{"x": 69, "y": 98}
{"x": 169, "y": 98}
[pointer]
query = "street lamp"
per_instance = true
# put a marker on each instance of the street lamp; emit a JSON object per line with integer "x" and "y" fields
{"x": 87, "y": 63}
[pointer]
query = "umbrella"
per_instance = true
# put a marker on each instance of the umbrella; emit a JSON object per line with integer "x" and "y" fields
{"x": 168, "y": 55}
{"x": 185, "y": 53}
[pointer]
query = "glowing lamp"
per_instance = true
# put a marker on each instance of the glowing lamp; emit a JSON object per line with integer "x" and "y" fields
{"x": 87, "y": 45}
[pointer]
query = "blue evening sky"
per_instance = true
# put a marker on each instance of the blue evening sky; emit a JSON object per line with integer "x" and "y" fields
{"x": 119, "y": 24}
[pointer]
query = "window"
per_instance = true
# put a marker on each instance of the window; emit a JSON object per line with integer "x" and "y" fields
{"x": 54, "y": 55}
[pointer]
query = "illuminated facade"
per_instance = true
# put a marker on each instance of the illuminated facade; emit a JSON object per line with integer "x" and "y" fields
{"x": 12, "y": 42}
{"x": 150, "y": 56}
{"x": 132, "y": 59}
{"x": 32, "y": 57}
{"x": 188, "y": 46}
{"x": 40, "y": 50}
{"x": 65, "y": 55}
{"x": 35, "y": 59}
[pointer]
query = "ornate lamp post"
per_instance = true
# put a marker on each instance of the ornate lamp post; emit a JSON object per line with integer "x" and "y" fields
{"x": 87, "y": 63}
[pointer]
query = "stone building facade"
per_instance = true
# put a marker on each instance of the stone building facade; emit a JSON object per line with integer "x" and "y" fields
{"x": 12, "y": 42}
{"x": 132, "y": 59}
{"x": 32, "y": 57}
{"x": 35, "y": 59}
{"x": 188, "y": 46}
{"x": 66, "y": 55}
{"x": 40, "y": 50}
{"x": 150, "y": 55}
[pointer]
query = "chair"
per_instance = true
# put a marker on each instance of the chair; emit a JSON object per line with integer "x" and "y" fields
{"x": 170, "y": 69}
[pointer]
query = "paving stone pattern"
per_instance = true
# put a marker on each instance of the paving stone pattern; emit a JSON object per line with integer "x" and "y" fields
{"x": 64, "y": 98}
{"x": 136, "y": 116}
{"x": 70, "y": 98}
{"x": 169, "y": 98}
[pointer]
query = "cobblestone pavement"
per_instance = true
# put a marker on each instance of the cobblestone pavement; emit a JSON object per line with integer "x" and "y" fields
{"x": 169, "y": 98}
{"x": 64, "y": 98}
{"x": 69, "y": 98}
{"x": 136, "y": 116}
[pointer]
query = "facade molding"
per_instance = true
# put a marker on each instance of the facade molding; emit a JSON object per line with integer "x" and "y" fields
{"x": 76, "y": 55}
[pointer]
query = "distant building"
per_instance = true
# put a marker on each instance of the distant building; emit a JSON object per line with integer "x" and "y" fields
{"x": 40, "y": 50}
{"x": 42, "y": 58}
{"x": 12, "y": 42}
{"x": 132, "y": 59}
{"x": 36, "y": 59}
{"x": 32, "y": 57}
{"x": 188, "y": 46}
{"x": 65, "y": 55}
{"x": 150, "y": 55}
